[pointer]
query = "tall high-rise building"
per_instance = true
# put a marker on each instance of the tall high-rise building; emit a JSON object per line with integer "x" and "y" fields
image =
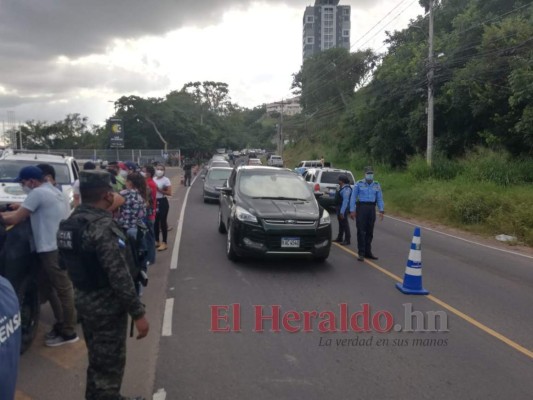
{"x": 325, "y": 25}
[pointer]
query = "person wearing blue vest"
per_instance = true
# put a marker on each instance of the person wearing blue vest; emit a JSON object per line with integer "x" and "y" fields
{"x": 342, "y": 203}
{"x": 366, "y": 195}
{"x": 10, "y": 333}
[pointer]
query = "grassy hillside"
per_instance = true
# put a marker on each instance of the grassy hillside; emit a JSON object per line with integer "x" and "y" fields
{"x": 486, "y": 192}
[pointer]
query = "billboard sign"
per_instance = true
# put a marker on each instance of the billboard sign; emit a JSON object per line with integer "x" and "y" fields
{"x": 116, "y": 135}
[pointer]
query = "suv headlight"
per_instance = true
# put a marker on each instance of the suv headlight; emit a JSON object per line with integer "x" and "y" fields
{"x": 325, "y": 220}
{"x": 244, "y": 216}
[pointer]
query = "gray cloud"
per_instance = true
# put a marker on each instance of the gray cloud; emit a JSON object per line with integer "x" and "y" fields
{"x": 78, "y": 27}
{"x": 34, "y": 33}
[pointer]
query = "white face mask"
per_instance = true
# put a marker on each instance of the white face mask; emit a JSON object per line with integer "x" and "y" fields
{"x": 143, "y": 174}
{"x": 123, "y": 173}
{"x": 26, "y": 189}
{"x": 159, "y": 173}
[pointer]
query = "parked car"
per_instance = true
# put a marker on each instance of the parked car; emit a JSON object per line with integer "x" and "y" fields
{"x": 326, "y": 181}
{"x": 214, "y": 179}
{"x": 214, "y": 162}
{"x": 275, "y": 161}
{"x": 12, "y": 161}
{"x": 271, "y": 211}
{"x": 254, "y": 161}
{"x": 305, "y": 165}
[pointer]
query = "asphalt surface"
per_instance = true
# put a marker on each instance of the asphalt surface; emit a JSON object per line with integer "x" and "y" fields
{"x": 491, "y": 288}
{"x": 485, "y": 293}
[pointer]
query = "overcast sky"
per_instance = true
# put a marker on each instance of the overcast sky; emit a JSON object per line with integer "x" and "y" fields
{"x": 66, "y": 56}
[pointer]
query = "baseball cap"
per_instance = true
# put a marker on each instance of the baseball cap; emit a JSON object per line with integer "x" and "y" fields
{"x": 369, "y": 169}
{"x": 131, "y": 165}
{"x": 29, "y": 172}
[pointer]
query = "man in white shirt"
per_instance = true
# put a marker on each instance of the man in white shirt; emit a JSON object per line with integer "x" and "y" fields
{"x": 45, "y": 207}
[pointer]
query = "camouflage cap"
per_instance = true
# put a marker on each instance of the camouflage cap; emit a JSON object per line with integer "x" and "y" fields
{"x": 95, "y": 179}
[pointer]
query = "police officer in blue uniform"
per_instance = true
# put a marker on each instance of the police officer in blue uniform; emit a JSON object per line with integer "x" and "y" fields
{"x": 342, "y": 200}
{"x": 366, "y": 195}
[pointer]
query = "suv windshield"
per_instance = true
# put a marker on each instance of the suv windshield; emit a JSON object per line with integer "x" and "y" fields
{"x": 9, "y": 170}
{"x": 273, "y": 184}
{"x": 219, "y": 174}
{"x": 333, "y": 177}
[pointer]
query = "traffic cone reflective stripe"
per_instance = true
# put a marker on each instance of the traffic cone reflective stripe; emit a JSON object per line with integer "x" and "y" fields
{"x": 412, "y": 280}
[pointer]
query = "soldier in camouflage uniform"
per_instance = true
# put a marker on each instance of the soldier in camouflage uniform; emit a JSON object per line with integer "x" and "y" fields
{"x": 98, "y": 259}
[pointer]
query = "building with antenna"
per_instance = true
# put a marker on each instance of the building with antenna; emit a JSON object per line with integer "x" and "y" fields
{"x": 325, "y": 25}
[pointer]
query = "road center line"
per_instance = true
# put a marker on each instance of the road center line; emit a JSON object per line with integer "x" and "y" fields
{"x": 177, "y": 240}
{"x": 167, "y": 318}
{"x": 448, "y": 307}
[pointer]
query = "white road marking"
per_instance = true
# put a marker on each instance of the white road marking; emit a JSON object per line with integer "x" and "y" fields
{"x": 177, "y": 241}
{"x": 460, "y": 238}
{"x": 167, "y": 318}
{"x": 160, "y": 395}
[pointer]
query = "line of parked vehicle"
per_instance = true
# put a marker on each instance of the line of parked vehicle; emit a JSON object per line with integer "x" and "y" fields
{"x": 272, "y": 211}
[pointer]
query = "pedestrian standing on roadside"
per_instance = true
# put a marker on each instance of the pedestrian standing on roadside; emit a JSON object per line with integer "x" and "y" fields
{"x": 10, "y": 339}
{"x": 149, "y": 173}
{"x": 365, "y": 197}
{"x": 49, "y": 174}
{"x": 118, "y": 181}
{"x": 100, "y": 264}
{"x": 164, "y": 189}
{"x": 45, "y": 207}
{"x": 187, "y": 168}
{"x": 132, "y": 212}
{"x": 342, "y": 206}
{"x": 88, "y": 166}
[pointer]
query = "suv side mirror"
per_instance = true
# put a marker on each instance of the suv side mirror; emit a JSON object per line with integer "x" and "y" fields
{"x": 226, "y": 190}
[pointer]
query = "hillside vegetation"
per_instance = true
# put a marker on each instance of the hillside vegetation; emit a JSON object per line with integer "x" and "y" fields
{"x": 365, "y": 108}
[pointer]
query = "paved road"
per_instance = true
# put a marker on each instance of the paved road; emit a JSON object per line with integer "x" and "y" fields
{"x": 484, "y": 292}
{"x": 480, "y": 289}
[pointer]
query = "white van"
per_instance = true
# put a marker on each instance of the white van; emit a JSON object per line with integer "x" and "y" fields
{"x": 12, "y": 161}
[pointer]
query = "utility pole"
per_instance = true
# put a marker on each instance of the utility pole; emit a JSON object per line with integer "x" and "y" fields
{"x": 431, "y": 73}
{"x": 281, "y": 140}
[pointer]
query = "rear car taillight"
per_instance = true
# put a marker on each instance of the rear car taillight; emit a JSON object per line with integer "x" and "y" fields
{"x": 317, "y": 187}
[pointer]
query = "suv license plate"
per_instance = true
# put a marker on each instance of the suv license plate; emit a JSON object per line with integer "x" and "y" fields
{"x": 288, "y": 242}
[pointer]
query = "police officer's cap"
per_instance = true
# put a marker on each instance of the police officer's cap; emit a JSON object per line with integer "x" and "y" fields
{"x": 95, "y": 180}
{"x": 343, "y": 178}
{"x": 369, "y": 169}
